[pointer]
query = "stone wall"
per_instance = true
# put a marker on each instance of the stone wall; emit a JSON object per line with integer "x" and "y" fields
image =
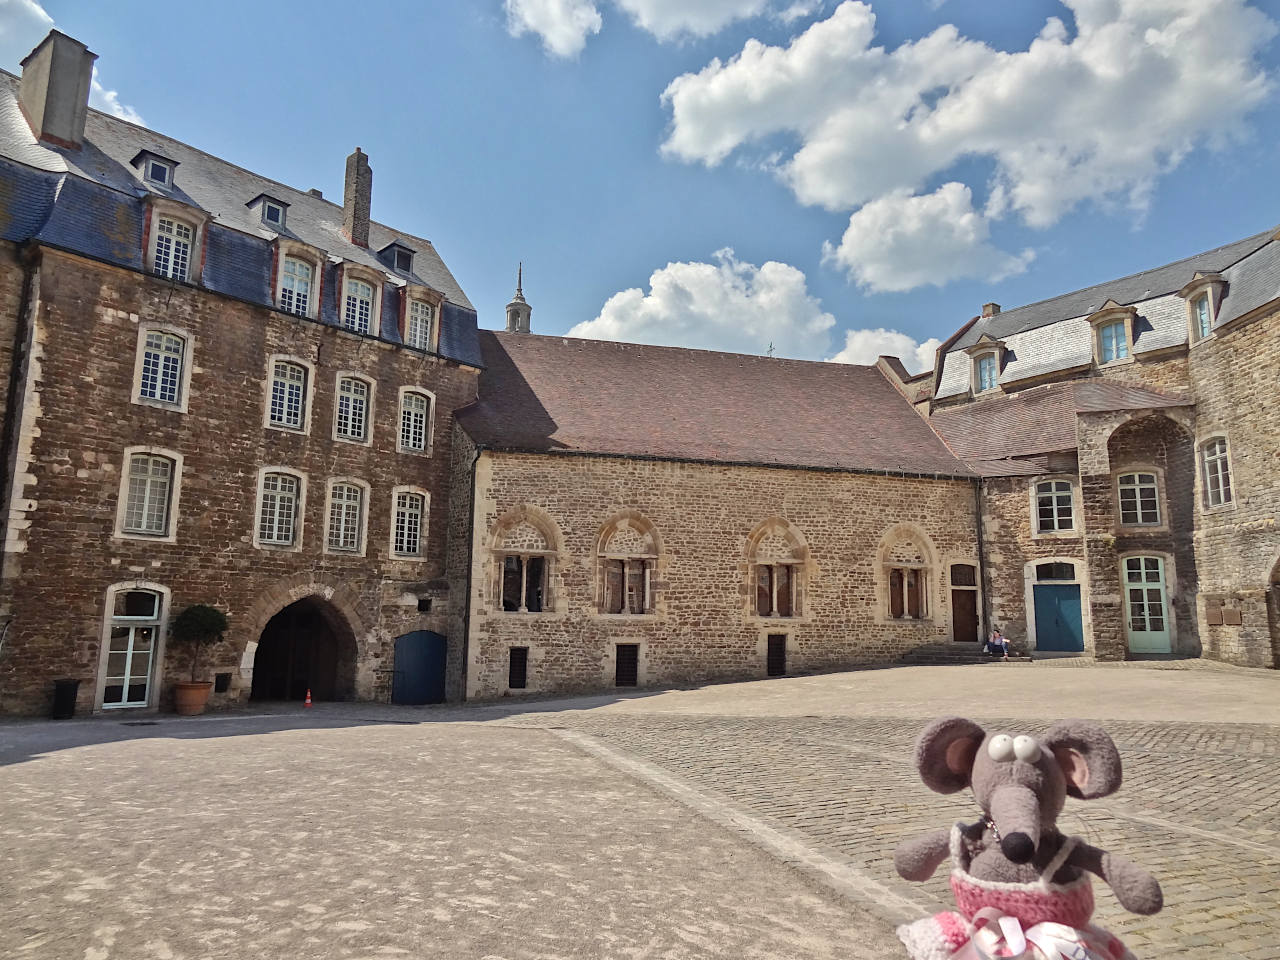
{"x": 1236, "y": 377}
{"x": 706, "y": 519}
{"x": 64, "y": 552}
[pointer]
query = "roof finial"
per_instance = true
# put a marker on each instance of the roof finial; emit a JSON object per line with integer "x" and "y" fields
{"x": 520, "y": 279}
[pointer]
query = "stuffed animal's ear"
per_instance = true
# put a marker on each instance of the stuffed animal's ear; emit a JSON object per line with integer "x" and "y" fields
{"x": 1088, "y": 758}
{"x": 945, "y": 752}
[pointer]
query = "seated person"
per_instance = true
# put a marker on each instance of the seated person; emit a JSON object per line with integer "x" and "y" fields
{"x": 997, "y": 646}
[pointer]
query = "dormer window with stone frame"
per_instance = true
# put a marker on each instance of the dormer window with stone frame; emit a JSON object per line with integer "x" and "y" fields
{"x": 271, "y": 211}
{"x": 175, "y": 240}
{"x": 419, "y": 317}
{"x": 360, "y": 307}
{"x": 1203, "y": 296}
{"x": 299, "y": 278}
{"x": 987, "y": 357}
{"x": 1113, "y": 333}
{"x": 154, "y": 168}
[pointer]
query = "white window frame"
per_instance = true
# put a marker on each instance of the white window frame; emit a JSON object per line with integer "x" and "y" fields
{"x": 1207, "y": 484}
{"x": 1036, "y": 529}
{"x": 424, "y": 523}
{"x": 978, "y": 386}
{"x": 375, "y": 304}
{"x": 1126, "y": 345}
{"x": 299, "y": 516}
{"x": 362, "y": 527}
{"x": 184, "y": 373}
{"x": 155, "y": 681}
{"x": 1202, "y": 327}
{"x": 307, "y": 398}
{"x": 370, "y": 394}
{"x": 175, "y": 495}
{"x": 149, "y": 165}
{"x": 268, "y": 205}
{"x": 430, "y": 424}
{"x": 188, "y": 275}
{"x": 312, "y": 289}
{"x": 1206, "y": 289}
{"x": 1161, "y": 521}
{"x": 410, "y": 322}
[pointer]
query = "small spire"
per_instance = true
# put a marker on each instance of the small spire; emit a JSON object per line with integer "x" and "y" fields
{"x": 520, "y": 279}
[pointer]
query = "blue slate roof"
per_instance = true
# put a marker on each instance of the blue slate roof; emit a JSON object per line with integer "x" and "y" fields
{"x": 93, "y": 201}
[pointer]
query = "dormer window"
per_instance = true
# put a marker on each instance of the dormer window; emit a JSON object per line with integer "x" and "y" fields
{"x": 1113, "y": 333}
{"x": 272, "y": 214}
{"x": 986, "y": 357}
{"x": 404, "y": 260}
{"x": 1202, "y": 295}
{"x": 159, "y": 172}
{"x": 154, "y": 168}
{"x": 987, "y": 373}
{"x": 397, "y": 256}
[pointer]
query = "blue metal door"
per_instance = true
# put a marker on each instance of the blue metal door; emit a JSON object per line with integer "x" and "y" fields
{"x": 1058, "y": 622}
{"x": 419, "y": 668}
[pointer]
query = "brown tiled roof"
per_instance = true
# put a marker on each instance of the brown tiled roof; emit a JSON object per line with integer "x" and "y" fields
{"x": 1036, "y": 421}
{"x": 563, "y": 395}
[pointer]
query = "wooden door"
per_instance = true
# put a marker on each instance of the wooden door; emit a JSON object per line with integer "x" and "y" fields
{"x": 964, "y": 616}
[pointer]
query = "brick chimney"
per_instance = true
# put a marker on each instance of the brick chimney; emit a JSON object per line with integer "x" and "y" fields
{"x": 54, "y": 91}
{"x": 356, "y": 197}
{"x": 990, "y": 309}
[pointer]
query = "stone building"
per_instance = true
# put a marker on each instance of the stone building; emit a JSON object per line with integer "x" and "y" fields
{"x": 1128, "y": 440}
{"x": 217, "y": 389}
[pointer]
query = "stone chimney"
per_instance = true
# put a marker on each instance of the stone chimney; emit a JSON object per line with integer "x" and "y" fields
{"x": 990, "y": 309}
{"x": 356, "y": 197}
{"x": 54, "y": 91}
{"x": 518, "y": 310}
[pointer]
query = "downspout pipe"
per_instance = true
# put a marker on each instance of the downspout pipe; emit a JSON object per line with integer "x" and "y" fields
{"x": 984, "y": 627}
{"x": 471, "y": 549}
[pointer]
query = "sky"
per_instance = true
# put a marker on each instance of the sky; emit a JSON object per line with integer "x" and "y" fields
{"x": 819, "y": 180}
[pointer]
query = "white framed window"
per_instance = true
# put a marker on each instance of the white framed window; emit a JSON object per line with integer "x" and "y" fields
{"x": 421, "y": 315}
{"x": 171, "y": 251}
{"x": 159, "y": 172}
{"x": 409, "y": 522}
{"x": 272, "y": 214}
{"x": 417, "y": 411}
{"x": 1113, "y": 341}
{"x": 1054, "y": 506}
{"x": 987, "y": 370}
{"x": 351, "y": 413}
{"x": 346, "y": 517}
{"x": 297, "y": 278}
{"x": 1216, "y": 472}
{"x": 288, "y": 395}
{"x": 162, "y": 373}
{"x": 150, "y": 482}
{"x": 132, "y": 645}
{"x": 1202, "y": 316}
{"x": 1139, "y": 497}
{"x": 281, "y": 499}
{"x": 358, "y": 308}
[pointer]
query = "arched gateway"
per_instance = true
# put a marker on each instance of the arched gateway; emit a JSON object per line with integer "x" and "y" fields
{"x": 309, "y": 645}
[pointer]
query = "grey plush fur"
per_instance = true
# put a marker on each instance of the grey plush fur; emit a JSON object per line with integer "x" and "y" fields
{"x": 1023, "y": 800}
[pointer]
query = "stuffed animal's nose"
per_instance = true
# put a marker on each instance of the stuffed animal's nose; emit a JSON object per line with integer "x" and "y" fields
{"x": 1018, "y": 847}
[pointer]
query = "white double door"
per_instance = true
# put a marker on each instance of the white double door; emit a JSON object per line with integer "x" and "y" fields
{"x": 1147, "y": 605}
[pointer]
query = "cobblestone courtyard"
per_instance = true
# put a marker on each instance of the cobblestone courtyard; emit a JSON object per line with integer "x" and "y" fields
{"x": 748, "y": 820}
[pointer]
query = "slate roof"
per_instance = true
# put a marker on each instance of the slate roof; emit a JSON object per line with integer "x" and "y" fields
{"x": 563, "y": 395}
{"x": 1054, "y": 335}
{"x": 993, "y": 435}
{"x": 92, "y": 201}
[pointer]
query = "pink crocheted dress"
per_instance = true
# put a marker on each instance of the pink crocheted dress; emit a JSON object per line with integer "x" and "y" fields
{"x": 1041, "y": 902}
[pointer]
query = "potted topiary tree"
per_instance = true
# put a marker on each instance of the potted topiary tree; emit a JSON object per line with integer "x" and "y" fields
{"x": 199, "y": 625}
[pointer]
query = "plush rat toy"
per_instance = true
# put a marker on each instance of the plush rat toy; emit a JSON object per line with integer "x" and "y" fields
{"x": 1022, "y": 888}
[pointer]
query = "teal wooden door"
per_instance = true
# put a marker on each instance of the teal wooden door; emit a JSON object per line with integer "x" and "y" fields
{"x": 1146, "y": 603}
{"x": 1058, "y": 622}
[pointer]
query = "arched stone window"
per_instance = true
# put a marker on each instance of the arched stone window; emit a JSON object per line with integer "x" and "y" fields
{"x": 525, "y": 548}
{"x": 777, "y": 557}
{"x": 907, "y": 575}
{"x": 628, "y": 555}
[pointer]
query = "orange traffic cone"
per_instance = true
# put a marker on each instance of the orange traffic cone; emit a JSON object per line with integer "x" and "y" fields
{"x": 307, "y": 703}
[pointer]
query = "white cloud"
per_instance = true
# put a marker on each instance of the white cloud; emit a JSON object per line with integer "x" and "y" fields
{"x": 670, "y": 19}
{"x": 866, "y": 346}
{"x": 1099, "y": 116}
{"x": 900, "y": 242}
{"x": 798, "y": 10}
{"x": 726, "y": 305}
{"x": 23, "y": 24}
{"x": 563, "y": 25}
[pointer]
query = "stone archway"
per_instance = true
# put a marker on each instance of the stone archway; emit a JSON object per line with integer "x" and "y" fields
{"x": 307, "y": 646}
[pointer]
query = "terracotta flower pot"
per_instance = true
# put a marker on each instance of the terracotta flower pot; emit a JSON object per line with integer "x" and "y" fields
{"x": 190, "y": 698}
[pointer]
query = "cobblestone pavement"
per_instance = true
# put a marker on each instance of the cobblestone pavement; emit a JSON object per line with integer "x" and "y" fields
{"x": 744, "y": 821}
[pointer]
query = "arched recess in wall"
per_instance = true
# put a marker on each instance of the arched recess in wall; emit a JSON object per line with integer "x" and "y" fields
{"x": 906, "y": 574}
{"x": 778, "y": 569}
{"x": 526, "y": 549}
{"x": 628, "y": 552}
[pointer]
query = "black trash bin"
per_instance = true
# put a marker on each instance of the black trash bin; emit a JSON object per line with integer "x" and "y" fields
{"x": 64, "y": 698}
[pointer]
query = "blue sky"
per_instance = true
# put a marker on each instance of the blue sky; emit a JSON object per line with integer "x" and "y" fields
{"x": 734, "y": 173}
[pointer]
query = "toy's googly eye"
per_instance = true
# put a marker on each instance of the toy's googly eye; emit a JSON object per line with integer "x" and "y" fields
{"x": 1026, "y": 748}
{"x": 1001, "y": 749}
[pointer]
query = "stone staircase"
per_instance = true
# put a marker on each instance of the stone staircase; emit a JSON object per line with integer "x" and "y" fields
{"x": 950, "y": 653}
